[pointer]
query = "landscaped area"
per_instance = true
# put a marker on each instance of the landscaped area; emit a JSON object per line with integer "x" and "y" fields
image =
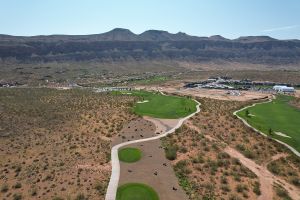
{"x": 162, "y": 106}
{"x": 130, "y": 155}
{"x": 136, "y": 191}
{"x": 277, "y": 119}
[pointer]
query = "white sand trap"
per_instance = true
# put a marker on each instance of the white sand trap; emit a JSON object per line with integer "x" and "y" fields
{"x": 143, "y": 101}
{"x": 251, "y": 115}
{"x": 282, "y": 134}
{"x": 127, "y": 93}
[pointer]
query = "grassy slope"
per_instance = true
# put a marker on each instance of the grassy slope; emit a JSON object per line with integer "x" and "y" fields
{"x": 280, "y": 117}
{"x": 136, "y": 191}
{"x": 160, "y": 106}
{"x": 130, "y": 155}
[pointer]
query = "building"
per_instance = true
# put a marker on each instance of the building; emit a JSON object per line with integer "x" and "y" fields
{"x": 284, "y": 89}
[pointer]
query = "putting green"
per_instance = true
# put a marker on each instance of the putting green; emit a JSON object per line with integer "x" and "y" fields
{"x": 162, "y": 106}
{"x": 278, "y": 119}
{"x": 129, "y": 154}
{"x": 136, "y": 191}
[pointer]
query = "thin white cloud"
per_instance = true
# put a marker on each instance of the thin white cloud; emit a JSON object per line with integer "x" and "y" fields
{"x": 283, "y": 28}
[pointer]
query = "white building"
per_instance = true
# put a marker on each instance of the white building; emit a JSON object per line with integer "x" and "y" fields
{"x": 283, "y": 88}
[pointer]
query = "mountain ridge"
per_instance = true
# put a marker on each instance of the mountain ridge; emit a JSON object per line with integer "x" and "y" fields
{"x": 122, "y": 34}
{"x": 123, "y": 45}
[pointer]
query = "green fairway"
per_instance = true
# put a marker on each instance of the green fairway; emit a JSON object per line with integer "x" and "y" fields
{"x": 161, "y": 106}
{"x": 136, "y": 191}
{"x": 129, "y": 154}
{"x": 275, "y": 118}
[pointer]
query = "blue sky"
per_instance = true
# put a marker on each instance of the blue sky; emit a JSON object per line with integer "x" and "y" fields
{"x": 229, "y": 18}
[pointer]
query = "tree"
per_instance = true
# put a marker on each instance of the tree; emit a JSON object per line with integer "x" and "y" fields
{"x": 270, "y": 131}
{"x": 247, "y": 113}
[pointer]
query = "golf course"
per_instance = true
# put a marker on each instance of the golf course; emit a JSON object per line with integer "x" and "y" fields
{"x": 162, "y": 106}
{"x": 130, "y": 155}
{"x": 277, "y": 119}
{"x": 136, "y": 191}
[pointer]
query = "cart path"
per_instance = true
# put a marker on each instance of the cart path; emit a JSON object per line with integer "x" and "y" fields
{"x": 256, "y": 130}
{"x": 115, "y": 174}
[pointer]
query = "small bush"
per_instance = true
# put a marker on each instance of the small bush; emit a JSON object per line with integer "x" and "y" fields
{"x": 171, "y": 153}
{"x": 274, "y": 168}
{"x": 57, "y": 198}
{"x": 4, "y": 188}
{"x": 281, "y": 192}
{"x": 17, "y": 197}
{"x": 17, "y": 185}
{"x": 100, "y": 187}
{"x": 249, "y": 154}
{"x": 295, "y": 181}
{"x": 225, "y": 188}
{"x": 234, "y": 197}
{"x": 256, "y": 188}
{"x": 33, "y": 192}
{"x": 81, "y": 197}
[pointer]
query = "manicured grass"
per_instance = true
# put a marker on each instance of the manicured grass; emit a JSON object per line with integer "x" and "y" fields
{"x": 129, "y": 154}
{"x": 161, "y": 106}
{"x": 276, "y": 116}
{"x": 136, "y": 191}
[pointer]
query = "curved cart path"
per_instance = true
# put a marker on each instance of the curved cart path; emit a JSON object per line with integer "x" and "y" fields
{"x": 247, "y": 124}
{"x": 115, "y": 174}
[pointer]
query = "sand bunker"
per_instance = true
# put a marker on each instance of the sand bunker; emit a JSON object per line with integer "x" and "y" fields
{"x": 251, "y": 115}
{"x": 143, "y": 101}
{"x": 282, "y": 134}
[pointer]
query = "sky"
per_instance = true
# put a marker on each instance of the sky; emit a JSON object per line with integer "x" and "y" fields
{"x": 229, "y": 18}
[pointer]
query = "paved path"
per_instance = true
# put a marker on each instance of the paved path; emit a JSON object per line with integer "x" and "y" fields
{"x": 115, "y": 174}
{"x": 247, "y": 124}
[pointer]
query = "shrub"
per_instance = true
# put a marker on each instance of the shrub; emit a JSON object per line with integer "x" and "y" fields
{"x": 249, "y": 154}
{"x": 223, "y": 155}
{"x": 171, "y": 153}
{"x": 225, "y": 188}
{"x": 224, "y": 180}
{"x": 17, "y": 197}
{"x": 57, "y": 198}
{"x": 256, "y": 188}
{"x": 198, "y": 159}
{"x": 81, "y": 197}
{"x": 33, "y": 192}
{"x": 281, "y": 192}
{"x": 181, "y": 168}
{"x": 234, "y": 197}
{"x": 4, "y": 188}
{"x": 241, "y": 188}
{"x": 274, "y": 168}
{"x": 182, "y": 149}
{"x": 295, "y": 181}
{"x": 100, "y": 187}
{"x": 17, "y": 185}
{"x": 240, "y": 147}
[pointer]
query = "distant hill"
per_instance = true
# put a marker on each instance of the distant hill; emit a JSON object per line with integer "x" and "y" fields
{"x": 122, "y": 44}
